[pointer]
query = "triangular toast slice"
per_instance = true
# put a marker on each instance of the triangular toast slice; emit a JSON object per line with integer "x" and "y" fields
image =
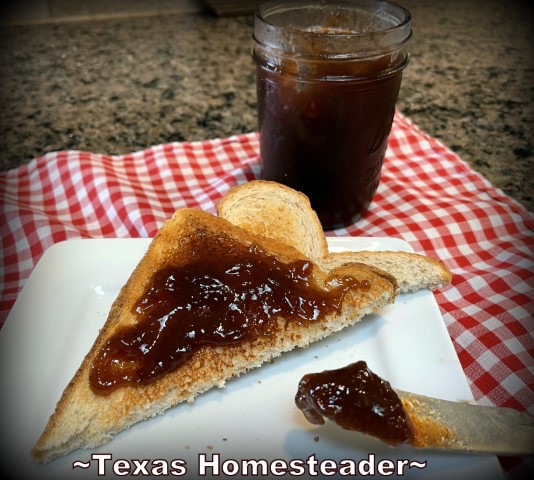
{"x": 116, "y": 388}
{"x": 279, "y": 212}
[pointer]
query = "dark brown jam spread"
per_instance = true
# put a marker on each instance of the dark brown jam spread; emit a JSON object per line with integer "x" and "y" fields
{"x": 225, "y": 294}
{"x": 356, "y": 399}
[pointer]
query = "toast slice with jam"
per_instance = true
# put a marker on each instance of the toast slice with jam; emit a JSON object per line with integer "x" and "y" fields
{"x": 208, "y": 301}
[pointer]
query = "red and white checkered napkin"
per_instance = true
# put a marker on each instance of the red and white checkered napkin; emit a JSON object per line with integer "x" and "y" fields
{"x": 428, "y": 197}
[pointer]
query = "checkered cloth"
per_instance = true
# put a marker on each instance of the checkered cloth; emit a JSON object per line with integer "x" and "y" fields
{"x": 427, "y": 196}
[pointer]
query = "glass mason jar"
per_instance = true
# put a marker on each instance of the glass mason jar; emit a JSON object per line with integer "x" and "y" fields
{"x": 328, "y": 75}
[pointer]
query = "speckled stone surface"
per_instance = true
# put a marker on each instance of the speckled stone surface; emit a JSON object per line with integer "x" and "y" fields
{"x": 119, "y": 86}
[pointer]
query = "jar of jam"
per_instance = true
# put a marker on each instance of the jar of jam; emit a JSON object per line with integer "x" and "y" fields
{"x": 328, "y": 76}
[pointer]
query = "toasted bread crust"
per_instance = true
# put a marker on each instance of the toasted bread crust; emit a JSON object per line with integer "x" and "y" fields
{"x": 278, "y": 212}
{"x": 83, "y": 419}
{"x": 411, "y": 270}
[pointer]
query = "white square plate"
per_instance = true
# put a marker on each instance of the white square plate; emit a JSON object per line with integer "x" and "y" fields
{"x": 65, "y": 302}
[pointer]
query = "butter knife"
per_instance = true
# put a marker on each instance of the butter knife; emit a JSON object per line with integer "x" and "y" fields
{"x": 469, "y": 428}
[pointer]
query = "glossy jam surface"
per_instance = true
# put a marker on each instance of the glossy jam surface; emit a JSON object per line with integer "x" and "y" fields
{"x": 356, "y": 399}
{"x": 225, "y": 294}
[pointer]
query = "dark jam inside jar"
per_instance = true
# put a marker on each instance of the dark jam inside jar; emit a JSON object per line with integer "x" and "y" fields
{"x": 326, "y": 139}
{"x": 227, "y": 293}
{"x": 356, "y": 399}
{"x": 328, "y": 76}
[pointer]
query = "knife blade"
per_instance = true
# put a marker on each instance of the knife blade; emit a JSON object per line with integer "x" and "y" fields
{"x": 471, "y": 428}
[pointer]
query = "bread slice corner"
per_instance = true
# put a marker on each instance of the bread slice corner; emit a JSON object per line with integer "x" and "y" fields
{"x": 279, "y": 212}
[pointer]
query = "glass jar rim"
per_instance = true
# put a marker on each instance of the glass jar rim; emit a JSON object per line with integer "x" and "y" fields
{"x": 303, "y": 40}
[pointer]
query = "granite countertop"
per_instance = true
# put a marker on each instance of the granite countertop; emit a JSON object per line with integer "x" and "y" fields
{"x": 117, "y": 86}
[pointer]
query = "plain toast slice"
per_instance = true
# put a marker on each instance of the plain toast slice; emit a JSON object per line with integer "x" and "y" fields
{"x": 282, "y": 213}
{"x": 85, "y": 418}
